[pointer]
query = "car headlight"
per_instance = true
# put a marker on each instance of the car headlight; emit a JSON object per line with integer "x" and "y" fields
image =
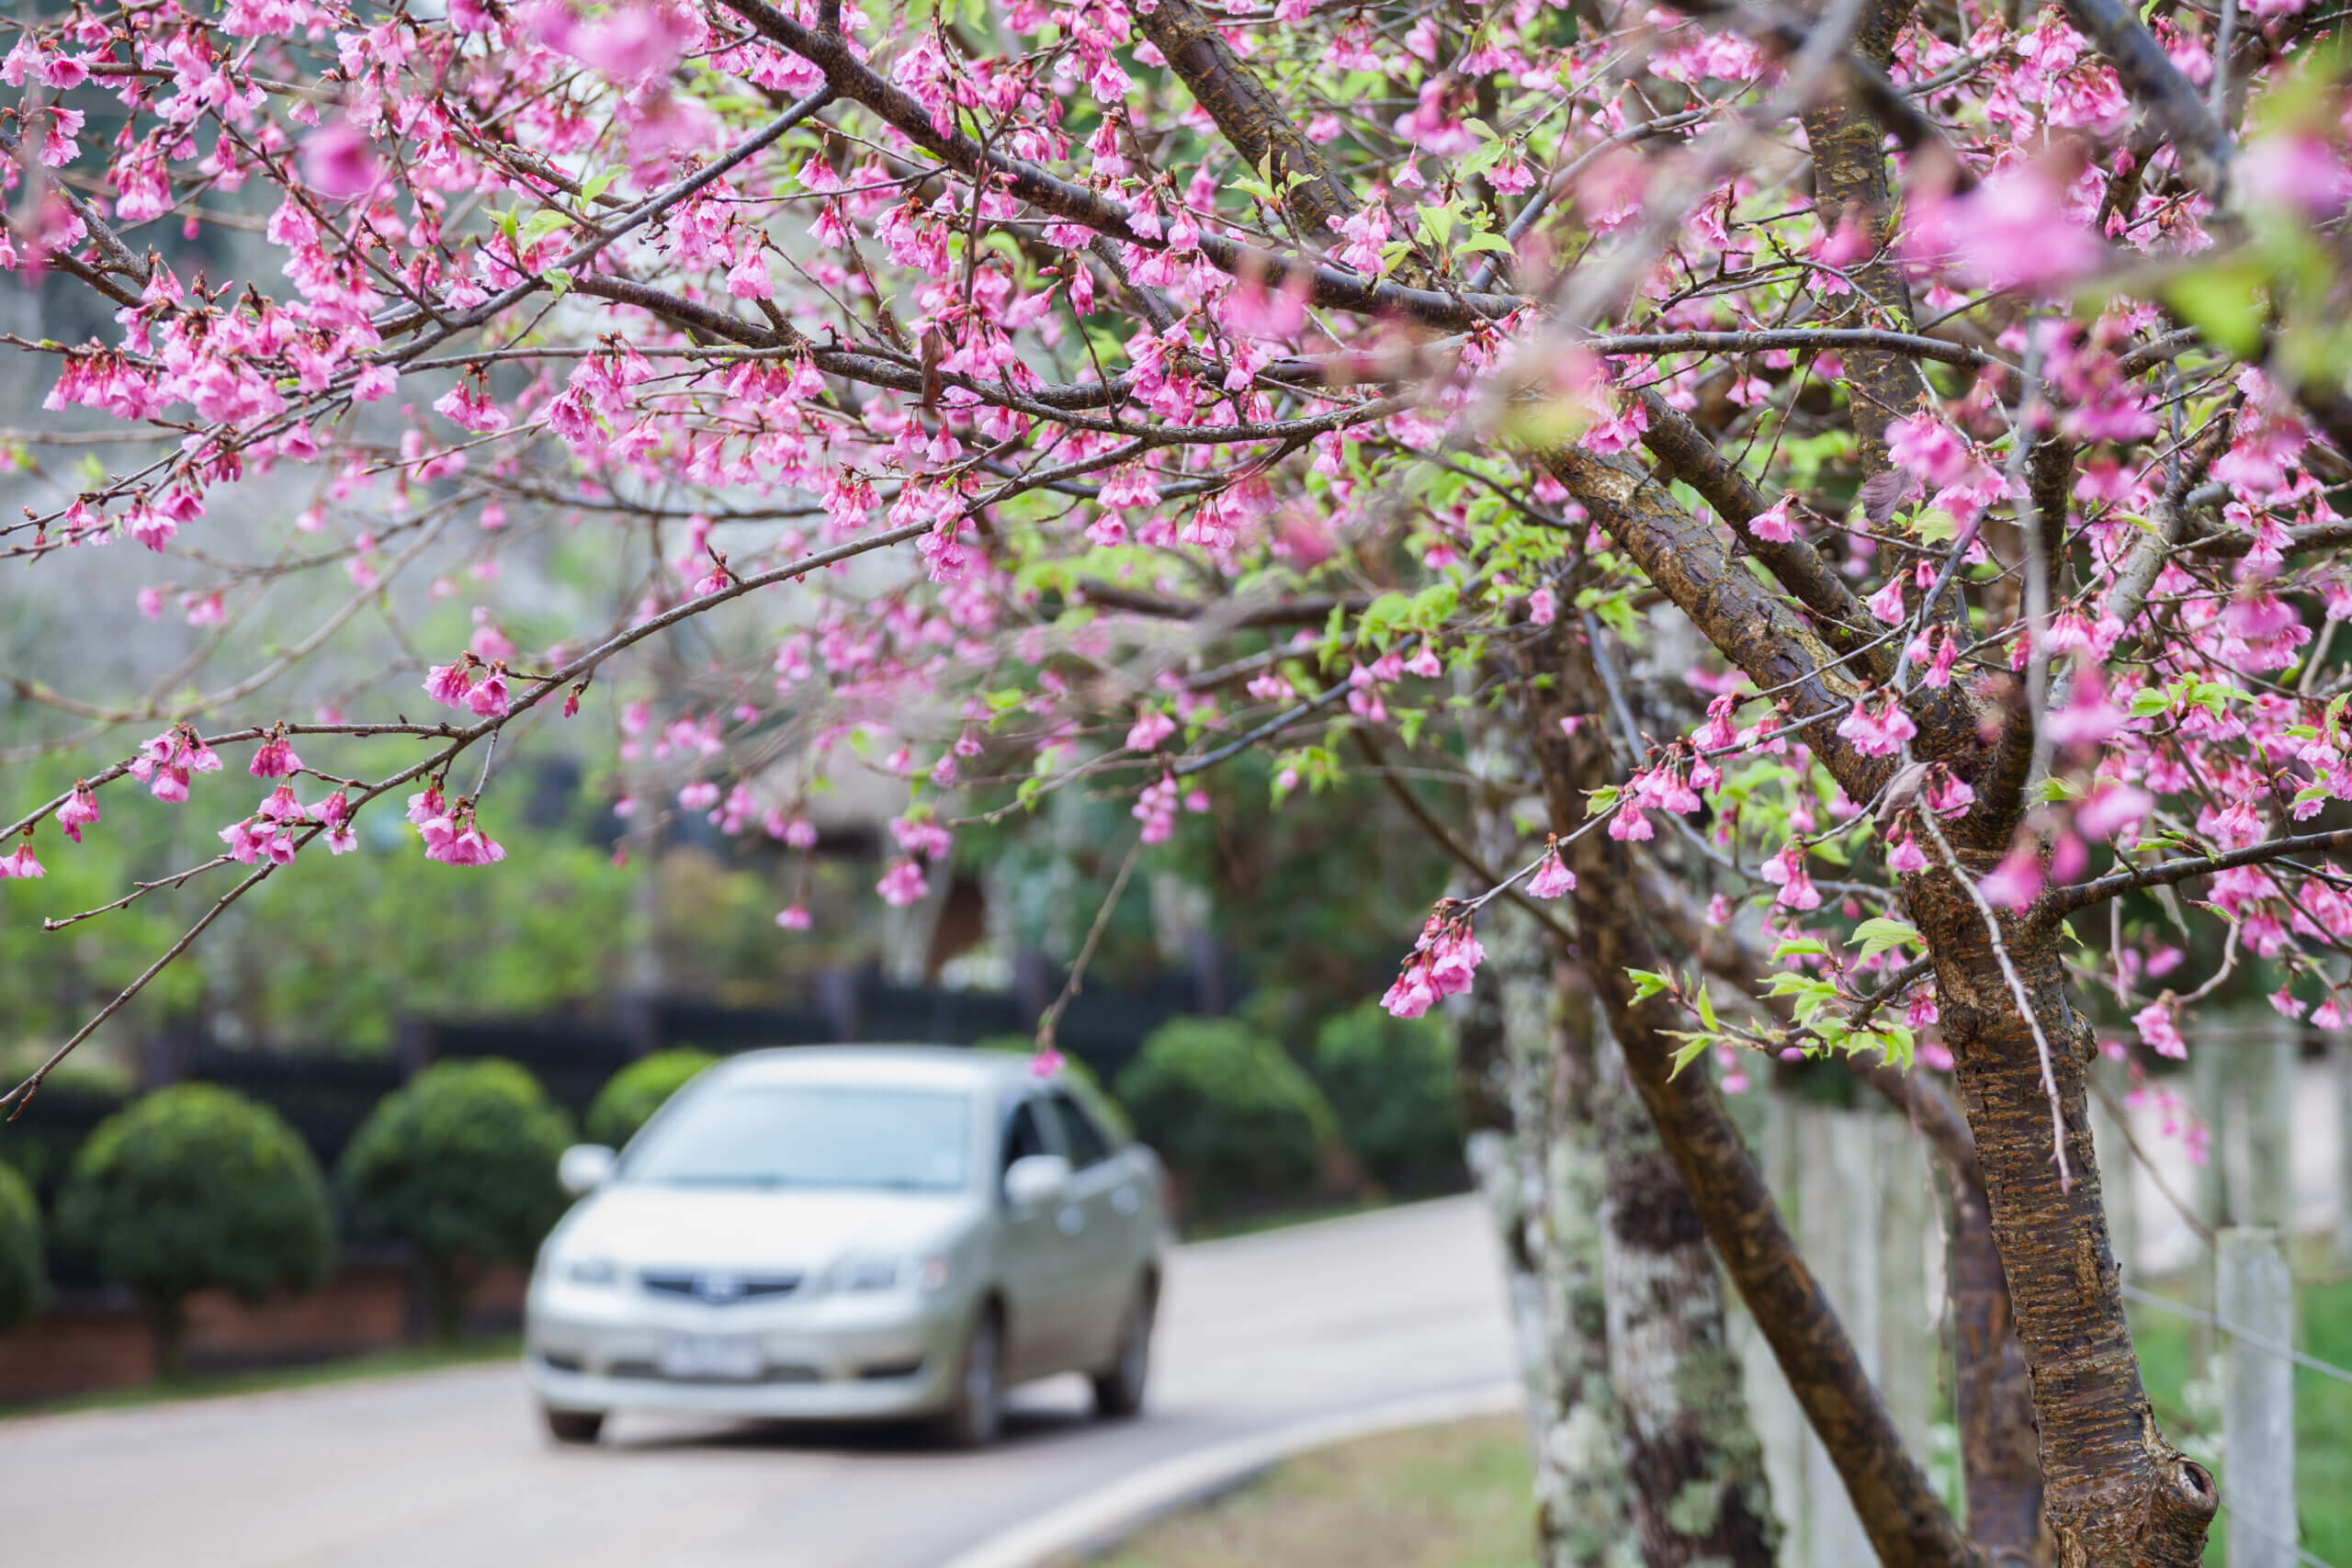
{"x": 865, "y": 1273}
{"x": 587, "y": 1271}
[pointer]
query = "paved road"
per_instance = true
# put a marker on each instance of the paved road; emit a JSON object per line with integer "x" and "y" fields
{"x": 448, "y": 1469}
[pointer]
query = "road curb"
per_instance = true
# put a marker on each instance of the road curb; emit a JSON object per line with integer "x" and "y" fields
{"x": 1091, "y": 1524}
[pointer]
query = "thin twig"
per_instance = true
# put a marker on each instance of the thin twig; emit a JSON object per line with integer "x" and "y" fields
{"x": 1050, "y": 1021}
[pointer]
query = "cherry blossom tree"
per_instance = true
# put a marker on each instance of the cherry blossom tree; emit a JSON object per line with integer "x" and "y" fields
{"x": 1874, "y": 464}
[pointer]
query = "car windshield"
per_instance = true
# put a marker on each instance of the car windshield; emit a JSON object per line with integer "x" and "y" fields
{"x": 810, "y": 1136}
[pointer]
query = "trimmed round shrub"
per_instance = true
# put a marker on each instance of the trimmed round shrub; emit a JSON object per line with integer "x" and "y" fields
{"x": 1233, "y": 1116}
{"x": 631, "y": 1096}
{"x": 195, "y": 1187}
{"x": 460, "y": 1165}
{"x": 1390, "y": 1081}
{"x": 24, "y": 1283}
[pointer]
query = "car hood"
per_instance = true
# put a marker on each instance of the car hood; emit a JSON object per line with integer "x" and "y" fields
{"x": 641, "y": 1225}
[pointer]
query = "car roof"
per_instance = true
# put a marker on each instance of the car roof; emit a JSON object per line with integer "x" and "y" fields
{"x": 933, "y": 1066}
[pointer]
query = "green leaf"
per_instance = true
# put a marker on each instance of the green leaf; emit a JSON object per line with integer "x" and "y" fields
{"x": 1880, "y": 933}
{"x": 1646, "y": 983}
{"x": 1801, "y": 946}
{"x": 559, "y": 279}
{"x": 596, "y": 186}
{"x": 2225, "y": 302}
{"x": 1484, "y": 242}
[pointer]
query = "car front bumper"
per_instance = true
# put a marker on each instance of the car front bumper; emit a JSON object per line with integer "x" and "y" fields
{"x": 837, "y": 1358}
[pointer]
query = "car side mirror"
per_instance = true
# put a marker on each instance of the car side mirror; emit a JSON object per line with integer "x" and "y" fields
{"x": 583, "y": 1169}
{"x": 1034, "y": 1180}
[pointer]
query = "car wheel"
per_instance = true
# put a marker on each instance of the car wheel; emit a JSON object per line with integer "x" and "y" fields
{"x": 1118, "y": 1389}
{"x": 977, "y": 1417}
{"x": 572, "y": 1426}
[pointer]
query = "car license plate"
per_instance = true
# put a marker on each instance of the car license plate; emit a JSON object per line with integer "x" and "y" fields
{"x": 710, "y": 1357}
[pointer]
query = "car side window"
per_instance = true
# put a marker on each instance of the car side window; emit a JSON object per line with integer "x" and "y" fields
{"x": 1083, "y": 1139}
{"x": 1024, "y": 1136}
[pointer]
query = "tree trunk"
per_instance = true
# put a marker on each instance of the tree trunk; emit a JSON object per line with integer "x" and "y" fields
{"x": 2000, "y": 1451}
{"x": 1696, "y": 1469}
{"x": 1541, "y": 1169}
{"x": 2114, "y": 1491}
{"x": 1848, "y": 148}
{"x": 1542, "y": 1177}
{"x": 1904, "y": 1517}
{"x": 167, "y": 1325}
{"x": 448, "y": 1295}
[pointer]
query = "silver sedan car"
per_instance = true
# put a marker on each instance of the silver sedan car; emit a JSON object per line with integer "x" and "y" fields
{"x": 850, "y": 1232}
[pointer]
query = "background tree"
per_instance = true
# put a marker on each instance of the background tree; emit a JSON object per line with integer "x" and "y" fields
{"x": 1390, "y": 1083}
{"x": 24, "y": 1266}
{"x": 460, "y": 1165}
{"x": 1878, "y": 469}
{"x": 194, "y": 1187}
{"x": 1234, "y": 1117}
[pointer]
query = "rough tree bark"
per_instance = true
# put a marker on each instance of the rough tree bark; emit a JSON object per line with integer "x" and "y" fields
{"x": 1696, "y": 1469}
{"x": 1901, "y": 1512}
{"x": 1848, "y": 147}
{"x": 1542, "y": 1180}
{"x": 2114, "y": 1491}
{"x": 2000, "y": 1449}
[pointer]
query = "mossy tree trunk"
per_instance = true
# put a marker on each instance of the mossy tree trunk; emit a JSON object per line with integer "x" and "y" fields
{"x": 1655, "y": 1457}
{"x": 2114, "y": 1490}
{"x": 1541, "y": 1169}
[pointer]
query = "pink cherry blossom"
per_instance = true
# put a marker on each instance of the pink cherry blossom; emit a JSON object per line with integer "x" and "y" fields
{"x": 448, "y": 684}
{"x": 904, "y": 885}
{"x": 339, "y": 162}
{"x": 276, "y": 760}
{"x": 1552, "y": 878}
{"x": 80, "y": 810}
{"x": 2016, "y": 882}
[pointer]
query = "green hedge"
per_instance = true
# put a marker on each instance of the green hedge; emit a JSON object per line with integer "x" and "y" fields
{"x": 460, "y": 1164}
{"x": 195, "y": 1187}
{"x": 1391, "y": 1082}
{"x": 1235, "y": 1118}
{"x": 24, "y": 1283}
{"x": 631, "y": 1096}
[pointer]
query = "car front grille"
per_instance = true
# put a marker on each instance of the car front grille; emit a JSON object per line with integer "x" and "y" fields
{"x": 714, "y": 1288}
{"x": 648, "y": 1371}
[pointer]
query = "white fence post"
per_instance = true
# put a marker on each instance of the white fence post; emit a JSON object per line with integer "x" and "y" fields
{"x": 2208, "y": 1094}
{"x": 2254, "y": 1296}
{"x": 2119, "y": 1170}
{"x": 1837, "y": 1232}
{"x": 1909, "y": 1349}
{"x": 1780, "y": 1423}
{"x": 2339, "y": 1056}
{"x": 2269, "y": 1079}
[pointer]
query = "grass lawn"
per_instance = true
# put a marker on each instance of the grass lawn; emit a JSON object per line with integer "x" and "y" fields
{"x": 2323, "y": 1412}
{"x": 212, "y": 1385}
{"x": 1448, "y": 1497}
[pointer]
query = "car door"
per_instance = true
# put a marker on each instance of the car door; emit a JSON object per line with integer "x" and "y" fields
{"x": 1100, "y": 1219}
{"x": 1038, "y": 1262}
